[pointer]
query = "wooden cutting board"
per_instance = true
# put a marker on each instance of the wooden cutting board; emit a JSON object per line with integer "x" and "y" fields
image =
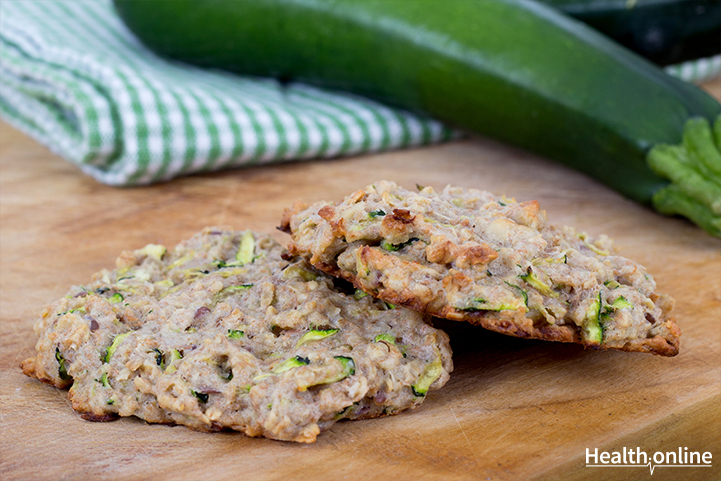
{"x": 513, "y": 409}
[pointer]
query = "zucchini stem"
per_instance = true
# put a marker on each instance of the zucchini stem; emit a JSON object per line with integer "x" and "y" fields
{"x": 694, "y": 169}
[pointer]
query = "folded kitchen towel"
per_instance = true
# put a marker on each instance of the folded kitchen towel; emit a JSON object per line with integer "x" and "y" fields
{"x": 75, "y": 78}
{"x": 697, "y": 70}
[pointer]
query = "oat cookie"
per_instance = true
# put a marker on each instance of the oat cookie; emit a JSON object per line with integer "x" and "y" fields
{"x": 222, "y": 332}
{"x": 468, "y": 255}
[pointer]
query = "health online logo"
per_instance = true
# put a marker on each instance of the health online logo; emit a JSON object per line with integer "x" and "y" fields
{"x": 628, "y": 458}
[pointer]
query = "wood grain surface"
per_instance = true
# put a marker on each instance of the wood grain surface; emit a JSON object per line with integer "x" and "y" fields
{"x": 513, "y": 409}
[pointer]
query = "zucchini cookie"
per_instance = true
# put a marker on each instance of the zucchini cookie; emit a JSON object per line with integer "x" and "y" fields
{"x": 227, "y": 331}
{"x": 468, "y": 255}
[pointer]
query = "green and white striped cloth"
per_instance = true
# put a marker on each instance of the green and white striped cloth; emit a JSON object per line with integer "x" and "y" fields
{"x": 73, "y": 77}
{"x": 697, "y": 70}
{"x": 76, "y": 79}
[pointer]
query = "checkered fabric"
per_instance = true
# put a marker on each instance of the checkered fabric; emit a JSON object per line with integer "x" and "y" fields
{"x": 75, "y": 78}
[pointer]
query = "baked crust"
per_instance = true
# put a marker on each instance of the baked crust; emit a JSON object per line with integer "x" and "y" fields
{"x": 467, "y": 255}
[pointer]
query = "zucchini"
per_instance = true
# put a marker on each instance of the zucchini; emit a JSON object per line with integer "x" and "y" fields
{"x": 158, "y": 357}
{"x": 432, "y": 372}
{"x": 290, "y": 363}
{"x": 592, "y": 329}
{"x": 359, "y": 294}
{"x": 246, "y": 249}
{"x": 389, "y": 338}
{"x": 174, "y": 356}
{"x": 202, "y": 397}
{"x": 515, "y": 70}
{"x": 532, "y": 280}
{"x": 114, "y": 346}
{"x": 62, "y": 368}
{"x": 154, "y": 251}
{"x": 315, "y": 335}
{"x": 385, "y": 245}
{"x": 664, "y": 31}
{"x": 116, "y": 298}
{"x": 348, "y": 369}
{"x": 620, "y": 303}
{"x": 235, "y": 334}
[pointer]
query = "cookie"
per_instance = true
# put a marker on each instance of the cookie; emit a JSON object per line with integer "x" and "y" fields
{"x": 222, "y": 332}
{"x": 468, "y": 255}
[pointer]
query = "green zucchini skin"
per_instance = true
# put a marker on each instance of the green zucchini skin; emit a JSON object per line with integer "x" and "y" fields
{"x": 517, "y": 71}
{"x": 664, "y": 31}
